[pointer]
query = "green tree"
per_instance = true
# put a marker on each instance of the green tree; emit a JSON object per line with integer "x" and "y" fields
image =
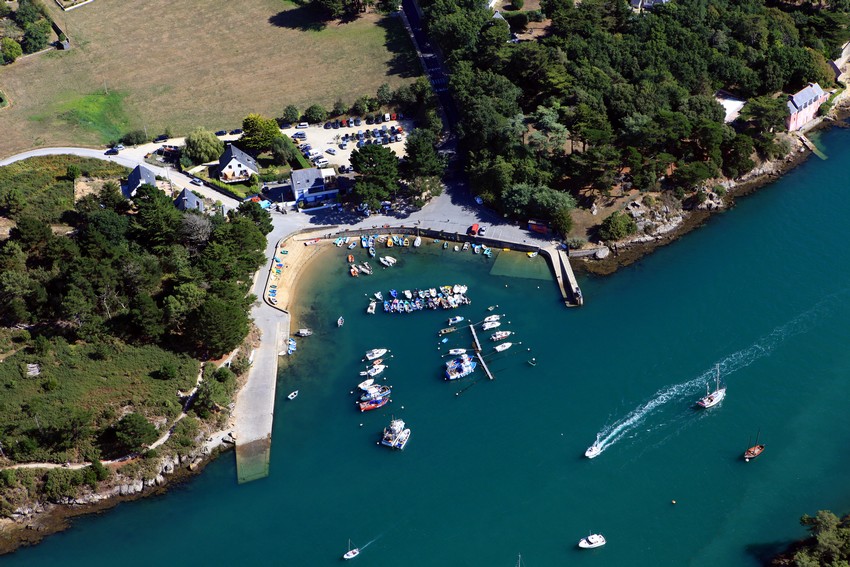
{"x": 291, "y": 113}
{"x": 339, "y": 108}
{"x": 134, "y": 432}
{"x": 10, "y": 49}
{"x": 203, "y": 146}
{"x": 315, "y": 113}
{"x": 384, "y": 95}
{"x": 283, "y": 150}
{"x": 421, "y": 158}
{"x": 157, "y": 221}
{"x": 766, "y": 113}
{"x": 219, "y": 326}
{"x": 73, "y": 172}
{"x": 252, "y": 211}
{"x": 562, "y": 221}
{"x": 617, "y": 226}
{"x": 147, "y": 318}
{"x": 378, "y": 162}
{"x": 186, "y": 298}
{"x": 258, "y": 133}
{"x": 28, "y": 12}
{"x": 36, "y": 36}
{"x": 134, "y": 138}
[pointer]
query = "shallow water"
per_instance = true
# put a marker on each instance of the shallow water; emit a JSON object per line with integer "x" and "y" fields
{"x": 494, "y": 469}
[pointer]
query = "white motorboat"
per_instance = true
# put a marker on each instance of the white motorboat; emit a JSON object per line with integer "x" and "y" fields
{"x": 455, "y": 320}
{"x": 500, "y": 335}
{"x": 465, "y": 246}
{"x": 457, "y": 248}
{"x": 491, "y": 325}
{"x": 340, "y": 322}
{"x": 293, "y": 395}
{"x": 371, "y": 309}
{"x": 374, "y": 371}
{"x": 408, "y": 294}
{"x": 391, "y": 260}
{"x": 375, "y": 353}
{"x": 379, "y": 296}
{"x": 713, "y": 398}
{"x": 417, "y": 242}
{"x": 364, "y": 385}
{"x": 304, "y": 332}
{"x": 457, "y": 351}
{"x": 503, "y": 347}
{"x": 383, "y": 260}
{"x": 491, "y": 318}
{"x": 593, "y": 451}
{"x": 351, "y": 553}
{"x": 591, "y": 541}
{"x": 395, "y": 436}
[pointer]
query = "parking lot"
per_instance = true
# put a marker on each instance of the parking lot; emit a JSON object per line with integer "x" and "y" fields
{"x": 322, "y": 139}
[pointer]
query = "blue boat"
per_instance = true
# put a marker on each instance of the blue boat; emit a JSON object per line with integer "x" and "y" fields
{"x": 364, "y": 242}
{"x": 393, "y": 293}
{"x": 372, "y": 251}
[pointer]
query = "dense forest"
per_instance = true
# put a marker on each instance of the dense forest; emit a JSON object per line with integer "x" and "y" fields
{"x": 828, "y": 546}
{"x": 610, "y": 95}
{"x": 113, "y": 314}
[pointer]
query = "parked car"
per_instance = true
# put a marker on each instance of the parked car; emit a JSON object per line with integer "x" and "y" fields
{"x": 112, "y": 152}
{"x": 370, "y": 119}
{"x": 331, "y": 151}
{"x": 322, "y": 162}
{"x": 221, "y": 133}
{"x": 360, "y": 144}
{"x": 300, "y": 135}
{"x": 236, "y": 131}
{"x": 335, "y": 125}
{"x": 473, "y": 230}
{"x": 118, "y": 147}
{"x": 357, "y": 121}
{"x": 394, "y": 116}
{"x": 160, "y": 138}
{"x": 196, "y": 181}
{"x": 327, "y": 125}
{"x": 303, "y": 125}
{"x": 482, "y": 231}
{"x": 343, "y": 146}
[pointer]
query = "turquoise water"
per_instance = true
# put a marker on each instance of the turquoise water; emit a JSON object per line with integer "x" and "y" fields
{"x": 762, "y": 291}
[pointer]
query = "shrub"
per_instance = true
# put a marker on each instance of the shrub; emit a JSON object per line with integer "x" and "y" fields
{"x": 10, "y": 49}
{"x": 134, "y": 432}
{"x": 291, "y": 113}
{"x": 134, "y": 138}
{"x": 36, "y": 36}
{"x": 315, "y": 113}
{"x": 536, "y": 16}
{"x": 618, "y": 225}
{"x": 73, "y": 172}
{"x": 518, "y": 21}
{"x": 339, "y": 108}
{"x": 517, "y": 4}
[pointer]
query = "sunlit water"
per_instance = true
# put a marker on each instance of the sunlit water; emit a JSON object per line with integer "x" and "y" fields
{"x": 496, "y": 468}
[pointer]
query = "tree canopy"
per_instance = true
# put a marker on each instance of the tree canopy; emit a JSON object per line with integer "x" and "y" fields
{"x": 203, "y": 146}
{"x": 258, "y": 133}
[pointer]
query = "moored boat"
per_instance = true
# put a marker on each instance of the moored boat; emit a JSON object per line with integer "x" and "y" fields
{"x": 396, "y": 435}
{"x": 364, "y": 385}
{"x": 340, "y": 322}
{"x": 417, "y": 242}
{"x": 379, "y": 296}
{"x": 293, "y": 395}
{"x": 532, "y": 254}
{"x": 375, "y": 353}
{"x": 500, "y": 335}
{"x": 465, "y": 246}
{"x": 445, "y": 245}
{"x": 491, "y": 318}
{"x": 457, "y": 369}
{"x": 406, "y": 242}
{"x": 390, "y": 242}
{"x": 364, "y": 242}
{"x": 713, "y": 398}
{"x": 352, "y": 246}
{"x": 448, "y": 330}
{"x": 490, "y": 325}
{"x": 455, "y": 320}
{"x": 350, "y": 258}
{"x": 457, "y": 351}
{"x": 354, "y": 271}
{"x": 503, "y": 347}
{"x": 373, "y": 404}
{"x": 755, "y": 450}
{"x": 371, "y": 309}
{"x": 373, "y": 371}
{"x": 372, "y": 251}
{"x": 591, "y": 541}
{"x": 304, "y": 332}
{"x": 375, "y": 392}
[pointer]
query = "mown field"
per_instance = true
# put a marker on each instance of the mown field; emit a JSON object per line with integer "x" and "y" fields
{"x": 158, "y": 64}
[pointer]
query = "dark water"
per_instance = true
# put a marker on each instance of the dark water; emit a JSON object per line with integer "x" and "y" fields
{"x": 762, "y": 291}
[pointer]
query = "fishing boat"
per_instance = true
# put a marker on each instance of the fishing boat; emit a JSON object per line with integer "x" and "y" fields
{"x": 375, "y": 393}
{"x": 373, "y": 404}
{"x": 379, "y": 296}
{"x": 354, "y": 271}
{"x": 491, "y": 318}
{"x": 352, "y": 246}
{"x": 754, "y": 451}
{"x": 457, "y": 351}
{"x": 374, "y": 371}
{"x": 591, "y": 541}
{"x": 371, "y": 309}
{"x": 293, "y": 395}
{"x": 448, "y": 330}
{"x": 364, "y": 385}
{"x": 500, "y": 335}
{"x": 455, "y": 320}
{"x": 460, "y": 367}
{"x": 490, "y": 325}
{"x": 304, "y": 332}
{"x": 340, "y": 322}
{"x": 532, "y": 254}
{"x": 417, "y": 242}
{"x": 713, "y": 398}
{"x": 396, "y": 435}
{"x": 351, "y": 553}
{"x": 375, "y": 353}
{"x": 593, "y": 451}
{"x": 503, "y": 347}
{"x": 372, "y": 251}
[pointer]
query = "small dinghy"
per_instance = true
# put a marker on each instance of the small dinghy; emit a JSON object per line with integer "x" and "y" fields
{"x": 340, "y": 322}
{"x": 304, "y": 332}
{"x": 503, "y": 347}
{"x": 293, "y": 395}
{"x": 364, "y": 385}
{"x": 457, "y": 351}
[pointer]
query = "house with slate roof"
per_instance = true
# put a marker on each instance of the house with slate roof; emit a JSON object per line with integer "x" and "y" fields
{"x": 234, "y": 165}
{"x": 314, "y": 185}
{"x": 138, "y": 177}
{"x": 803, "y": 106}
{"x": 188, "y": 201}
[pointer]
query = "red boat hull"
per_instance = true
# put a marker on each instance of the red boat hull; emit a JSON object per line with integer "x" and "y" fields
{"x": 374, "y": 404}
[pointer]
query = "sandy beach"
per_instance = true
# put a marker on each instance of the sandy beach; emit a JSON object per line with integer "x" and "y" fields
{"x": 291, "y": 257}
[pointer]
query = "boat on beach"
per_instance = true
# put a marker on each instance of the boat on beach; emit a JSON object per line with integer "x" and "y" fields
{"x": 312, "y": 241}
{"x": 532, "y": 254}
{"x": 376, "y": 353}
{"x": 396, "y": 435}
{"x": 304, "y": 332}
{"x": 352, "y": 246}
{"x": 364, "y": 242}
{"x": 591, "y": 541}
{"x": 417, "y": 242}
{"x": 713, "y": 398}
{"x": 500, "y": 335}
{"x": 373, "y": 404}
{"x": 465, "y": 246}
{"x": 406, "y": 242}
{"x": 445, "y": 245}
{"x": 503, "y": 347}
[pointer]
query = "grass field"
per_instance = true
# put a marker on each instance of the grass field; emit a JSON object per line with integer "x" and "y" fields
{"x": 192, "y": 63}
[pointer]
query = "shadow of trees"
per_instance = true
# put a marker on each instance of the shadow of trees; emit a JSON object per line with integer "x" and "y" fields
{"x": 305, "y": 17}
{"x": 404, "y": 62}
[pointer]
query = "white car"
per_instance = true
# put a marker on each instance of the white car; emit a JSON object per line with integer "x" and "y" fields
{"x": 197, "y": 181}
{"x": 331, "y": 151}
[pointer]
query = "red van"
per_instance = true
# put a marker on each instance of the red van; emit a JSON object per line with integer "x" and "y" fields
{"x": 473, "y": 230}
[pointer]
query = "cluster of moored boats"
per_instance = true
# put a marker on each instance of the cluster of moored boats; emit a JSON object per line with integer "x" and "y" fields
{"x": 463, "y": 364}
{"x": 407, "y": 301}
{"x": 372, "y": 395}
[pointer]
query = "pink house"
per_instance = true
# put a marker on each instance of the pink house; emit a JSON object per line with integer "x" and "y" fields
{"x": 803, "y": 105}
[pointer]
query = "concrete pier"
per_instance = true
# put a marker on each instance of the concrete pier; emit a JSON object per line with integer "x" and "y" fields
{"x": 478, "y": 353}
{"x": 564, "y": 276}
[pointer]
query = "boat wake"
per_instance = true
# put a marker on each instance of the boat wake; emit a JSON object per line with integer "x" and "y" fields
{"x": 734, "y": 362}
{"x": 370, "y": 543}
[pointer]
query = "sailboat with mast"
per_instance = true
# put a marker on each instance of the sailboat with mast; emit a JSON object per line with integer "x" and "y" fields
{"x": 351, "y": 553}
{"x": 713, "y": 398}
{"x": 755, "y": 450}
